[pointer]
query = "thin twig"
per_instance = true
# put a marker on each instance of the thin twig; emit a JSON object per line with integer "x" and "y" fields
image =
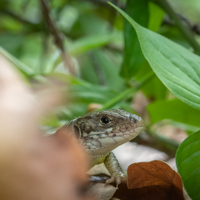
{"x": 58, "y": 39}
{"x": 127, "y": 93}
{"x": 192, "y": 26}
{"x": 183, "y": 29}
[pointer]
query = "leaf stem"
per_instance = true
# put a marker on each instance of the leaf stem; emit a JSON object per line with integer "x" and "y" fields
{"x": 183, "y": 29}
{"x": 126, "y": 94}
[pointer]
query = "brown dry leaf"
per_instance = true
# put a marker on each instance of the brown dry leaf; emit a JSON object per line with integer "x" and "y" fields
{"x": 34, "y": 166}
{"x": 154, "y": 180}
{"x": 151, "y": 181}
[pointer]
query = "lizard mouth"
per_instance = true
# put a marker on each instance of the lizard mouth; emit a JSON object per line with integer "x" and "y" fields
{"x": 101, "y": 142}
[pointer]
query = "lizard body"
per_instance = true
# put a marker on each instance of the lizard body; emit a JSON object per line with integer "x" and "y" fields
{"x": 102, "y": 131}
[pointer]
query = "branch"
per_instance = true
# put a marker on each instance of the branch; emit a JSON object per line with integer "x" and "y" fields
{"x": 127, "y": 93}
{"x": 183, "y": 29}
{"x": 192, "y": 26}
{"x": 58, "y": 39}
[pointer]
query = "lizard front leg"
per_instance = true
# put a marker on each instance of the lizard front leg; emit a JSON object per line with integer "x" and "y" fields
{"x": 116, "y": 172}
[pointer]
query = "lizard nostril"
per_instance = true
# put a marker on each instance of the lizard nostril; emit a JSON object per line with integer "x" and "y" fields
{"x": 140, "y": 123}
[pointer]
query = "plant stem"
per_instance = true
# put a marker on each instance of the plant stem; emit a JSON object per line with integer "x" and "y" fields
{"x": 183, "y": 29}
{"x": 57, "y": 35}
{"x": 126, "y": 94}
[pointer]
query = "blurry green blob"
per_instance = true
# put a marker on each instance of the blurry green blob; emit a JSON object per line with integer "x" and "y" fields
{"x": 80, "y": 94}
{"x": 91, "y": 93}
{"x": 88, "y": 21}
{"x": 155, "y": 89}
{"x": 175, "y": 110}
{"x": 67, "y": 18}
{"x": 83, "y": 95}
{"x": 11, "y": 42}
{"x": 175, "y": 66}
{"x": 58, "y": 4}
{"x": 174, "y": 34}
{"x": 27, "y": 71}
{"x": 10, "y": 24}
{"x": 26, "y": 9}
{"x": 189, "y": 9}
{"x": 51, "y": 121}
{"x": 111, "y": 71}
{"x": 71, "y": 111}
{"x": 133, "y": 57}
{"x": 188, "y": 162}
{"x": 31, "y": 51}
{"x": 155, "y": 17}
{"x": 87, "y": 43}
{"x": 100, "y": 69}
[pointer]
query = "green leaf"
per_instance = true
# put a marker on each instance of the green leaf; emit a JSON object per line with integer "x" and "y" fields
{"x": 156, "y": 16}
{"x": 98, "y": 68}
{"x": 21, "y": 66}
{"x": 91, "y": 93}
{"x": 88, "y": 43}
{"x": 175, "y": 66}
{"x": 133, "y": 57}
{"x": 175, "y": 110}
{"x": 188, "y": 164}
{"x": 155, "y": 90}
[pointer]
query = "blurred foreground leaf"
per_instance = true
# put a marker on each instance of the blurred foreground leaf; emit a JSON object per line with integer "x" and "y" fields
{"x": 92, "y": 42}
{"x": 32, "y": 165}
{"x": 21, "y": 66}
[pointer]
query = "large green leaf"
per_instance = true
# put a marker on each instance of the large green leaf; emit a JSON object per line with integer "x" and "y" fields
{"x": 175, "y": 110}
{"x": 176, "y": 67}
{"x": 133, "y": 57}
{"x": 188, "y": 164}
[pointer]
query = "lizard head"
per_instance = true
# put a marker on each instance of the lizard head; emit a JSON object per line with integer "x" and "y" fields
{"x": 102, "y": 131}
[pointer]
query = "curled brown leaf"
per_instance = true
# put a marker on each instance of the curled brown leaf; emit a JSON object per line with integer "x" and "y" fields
{"x": 154, "y": 180}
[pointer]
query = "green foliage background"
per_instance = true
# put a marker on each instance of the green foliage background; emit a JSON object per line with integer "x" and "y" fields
{"x": 114, "y": 59}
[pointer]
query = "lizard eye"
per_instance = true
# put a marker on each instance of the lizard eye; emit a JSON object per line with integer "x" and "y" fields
{"x": 105, "y": 120}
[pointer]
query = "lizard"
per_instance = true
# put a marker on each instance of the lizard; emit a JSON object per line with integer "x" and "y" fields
{"x": 99, "y": 132}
